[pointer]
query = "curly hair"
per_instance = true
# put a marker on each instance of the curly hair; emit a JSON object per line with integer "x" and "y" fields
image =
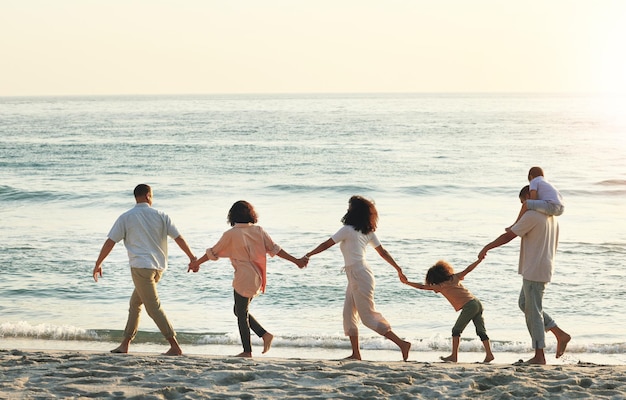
{"x": 361, "y": 215}
{"x": 242, "y": 212}
{"x": 439, "y": 273}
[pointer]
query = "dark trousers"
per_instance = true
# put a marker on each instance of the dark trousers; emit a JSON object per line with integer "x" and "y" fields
{"x": 246, "y": 321}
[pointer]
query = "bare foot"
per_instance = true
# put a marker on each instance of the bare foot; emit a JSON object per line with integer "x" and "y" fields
{"x": 267, "y": 342}
{"x": 450, "y": 358}
{"x": 244, "y": 354}
{"x": 537, "y": 361}
{"x": 561, "y": 344}
{"x": 173, "y": 352}
{"x": 120, "y": 349}
{"x": 405, "y": 347}
{"x": 488, "y": 358}
{"x": 353, "y": 357}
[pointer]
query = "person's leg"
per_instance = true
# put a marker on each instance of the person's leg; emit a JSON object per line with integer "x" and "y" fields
{"x": 356, "y": 351}
{"x": 481, "y": 331}
{"x": 456, "y": 342}
{"x": 132, "y": 323}
{"x": 468, "y": 312}
{"x": 350, "y": 315}
{"x": 489, "y": 357}
{"x": 146, "y": 286}
{"x": 362, "y": 287}
{"x": 531, "y": 299}
{"x": 259, "y": 330}
{"x": 350, "y": 323}
{"x": 562, "y": 338}
{"x": 362, "y": 290}
{"x": 545, "y": 207}
{"x": 241, "y": 312}
{"x": 404, "y": 346}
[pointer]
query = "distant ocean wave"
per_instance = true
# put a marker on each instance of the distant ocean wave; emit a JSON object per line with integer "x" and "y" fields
{"x": 616, "y": 192}
{"x": 436, "y": 343}
{"x": 9, "y": 193}
{"x": 13, "y": 194}
{"x": 593, "y": 248}
{"x": 347, "y": 189}
{"x": 613, "y": 182}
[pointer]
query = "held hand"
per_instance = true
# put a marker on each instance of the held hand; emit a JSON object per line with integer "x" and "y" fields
{"x": 302, "y": 262}
{"x": 192, "y": 260}
{"x": 97, "y": 271}
{"x": 482, "y": 254}
{"x": 193, "y": 266}
{"x": 402, "y": 277}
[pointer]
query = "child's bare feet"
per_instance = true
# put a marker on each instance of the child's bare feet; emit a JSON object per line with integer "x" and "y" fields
{"x": 405, "y": 347}
{"x": 267, "y": 341}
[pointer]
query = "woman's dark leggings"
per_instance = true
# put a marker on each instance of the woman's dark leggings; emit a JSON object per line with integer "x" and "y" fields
{"x": 246, "y": 321}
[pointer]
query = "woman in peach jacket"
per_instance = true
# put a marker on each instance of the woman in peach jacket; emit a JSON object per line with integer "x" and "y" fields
{"x": 247, "y": 246}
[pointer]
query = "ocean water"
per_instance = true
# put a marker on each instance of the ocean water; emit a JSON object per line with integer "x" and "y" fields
{"x": 444, "y": 171}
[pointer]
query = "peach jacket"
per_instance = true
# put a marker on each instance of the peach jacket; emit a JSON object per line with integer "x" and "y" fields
{"x": 247, "y": 246}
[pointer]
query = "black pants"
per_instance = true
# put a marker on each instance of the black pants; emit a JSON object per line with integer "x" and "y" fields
{"x": 246, "y": 321}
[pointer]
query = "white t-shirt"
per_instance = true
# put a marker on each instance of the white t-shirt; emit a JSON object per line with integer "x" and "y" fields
{"x": 545, "y": 190}
{"x": 353, "y": 244}
{"x": 145, "y": 231}
{"x": 540, "y": 236}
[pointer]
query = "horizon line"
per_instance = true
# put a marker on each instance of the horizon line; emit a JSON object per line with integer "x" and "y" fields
{"x": 551, "y": 93}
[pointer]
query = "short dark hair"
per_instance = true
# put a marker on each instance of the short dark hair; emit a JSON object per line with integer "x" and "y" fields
{"x": 361, "y": 215}
{"x": 524, "y": 192}
{"x": 242, "y": 212}
{"x": 439, "y": 273}
{"x": 141, "y": 190}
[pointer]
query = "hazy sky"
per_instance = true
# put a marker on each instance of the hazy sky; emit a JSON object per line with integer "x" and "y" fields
{"x": 58, "y": 47}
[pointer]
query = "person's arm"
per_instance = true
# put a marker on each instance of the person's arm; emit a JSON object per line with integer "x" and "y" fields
{"x": 104, "y": 252}
{"x": 522, "y": 210}
{"x": 300, "y": 262}
{"x": 469, "y": 269}
{"x": 387, "y": 257}
{"x": 500, "y": 240}
{"x": 419, "y": 285}
{"x": 180, "y": 241}
{"x": 321, "y": 247}
{"x": 194, "y": 265}
{"x": 533, "y": 195}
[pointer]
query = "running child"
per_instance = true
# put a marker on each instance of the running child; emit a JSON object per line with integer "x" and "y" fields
{"x": 442, "y": 279}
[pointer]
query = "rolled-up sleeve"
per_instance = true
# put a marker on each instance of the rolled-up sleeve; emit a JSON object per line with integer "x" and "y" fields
{"x": 210, "y": 255}
{"x": 274, "y": 250}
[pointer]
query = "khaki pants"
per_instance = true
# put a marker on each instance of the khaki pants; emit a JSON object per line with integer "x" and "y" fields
{"x": 146, "y": 294}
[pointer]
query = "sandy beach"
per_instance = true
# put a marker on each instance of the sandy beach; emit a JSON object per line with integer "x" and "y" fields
{"x": 61, "y": 374}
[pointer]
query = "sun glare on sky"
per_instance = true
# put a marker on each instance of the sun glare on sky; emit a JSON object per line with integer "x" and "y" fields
{"x": 69, "y": 47}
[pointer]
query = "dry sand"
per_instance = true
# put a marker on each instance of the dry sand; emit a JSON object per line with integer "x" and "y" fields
{"x": 58, "y": 374}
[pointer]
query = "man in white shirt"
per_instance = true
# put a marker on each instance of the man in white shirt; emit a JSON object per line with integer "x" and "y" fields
{"x": 540, "y": 234}
{"x": 145, "y": 231}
